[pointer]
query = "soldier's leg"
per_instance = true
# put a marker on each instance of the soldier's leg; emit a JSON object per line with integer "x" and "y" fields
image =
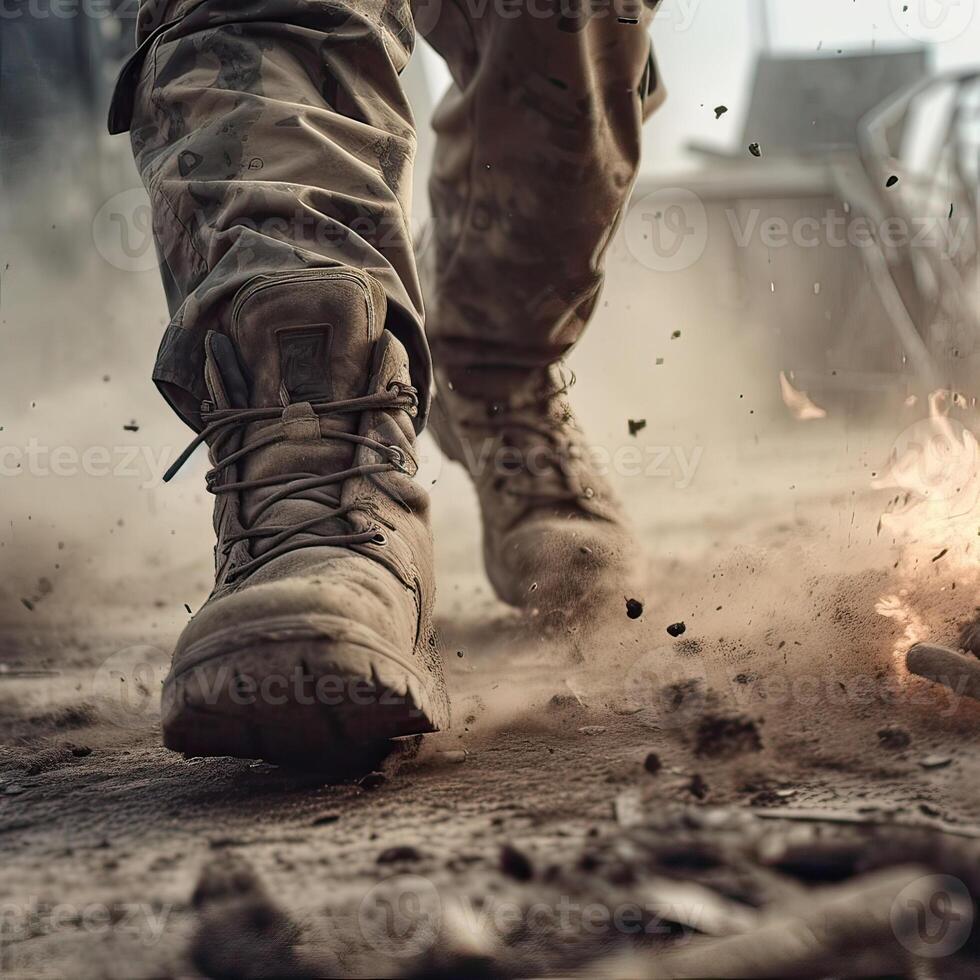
{"x": 276, "y": 145}
{"x": 538, "y": 148}
{"x": 272, "y": 136}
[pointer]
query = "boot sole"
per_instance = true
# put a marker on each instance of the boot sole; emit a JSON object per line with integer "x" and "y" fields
{"x": 321, "y": 693}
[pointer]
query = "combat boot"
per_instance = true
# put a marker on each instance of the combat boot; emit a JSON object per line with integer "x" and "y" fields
{"x": 555, "y": 538}
{"x": 318, "y": 634}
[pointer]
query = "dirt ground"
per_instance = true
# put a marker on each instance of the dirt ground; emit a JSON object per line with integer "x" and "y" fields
{"x": 574, "y": 759}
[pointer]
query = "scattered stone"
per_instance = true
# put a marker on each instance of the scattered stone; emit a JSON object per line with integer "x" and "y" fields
{"x": 515, "y": 863}
{"x": 676, "y": 629}
{"x": 634, "y": 608}
{"x": 452, "y": 756}
{"x": 683, "y": 692}
{"x": 652, "y": 763}
{"x": 564, "y": 702}
{"x": 894, "y": 738}
{"x": 935, "y": 761}
{"x": 720, "y": 110}
{"x": 697, "y": 787}
{"x": 241, "y": 932}
{"x": 592, "y": 730}
{"x": 394, "y": 855}
{"x": 635, "y": 425}
{"x": 725, "y": 736}
{"x": 755, "y": 149}
{"x": 892, "y": 181}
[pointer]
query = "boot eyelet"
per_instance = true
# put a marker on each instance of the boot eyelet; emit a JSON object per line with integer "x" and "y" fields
{"x": 379, "y": 538}
{"x": 588, "y": 493}
{"x": 397, "y": 457}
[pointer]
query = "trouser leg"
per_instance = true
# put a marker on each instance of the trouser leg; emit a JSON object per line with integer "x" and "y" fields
{"x": 538, "y": 147}
{"x": 273, "y": 136}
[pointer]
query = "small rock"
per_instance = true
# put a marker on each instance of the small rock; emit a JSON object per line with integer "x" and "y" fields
{"x": 403, "y": 852}
{"x": 635, "y": 425}
{"x": 676, "y": 629}
{"x": 515, "y": 863}
{"x": 634, "y": 608}
{"x": 935, "y": 761}
{"x": 453, "y": 756}
{"x": 755, "y": 149}
{"x": 372, "y": 780}
{"x": 697, "y": 787}
{"x": 894, "y": 738}
{"x": 592, "y": 730}
{"x": 725, "y": 736}
{"x": 652, "y": 763}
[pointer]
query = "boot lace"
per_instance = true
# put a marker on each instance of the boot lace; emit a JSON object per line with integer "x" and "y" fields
{"x": 532, "y": 422}
{"x": 224, "y": 426}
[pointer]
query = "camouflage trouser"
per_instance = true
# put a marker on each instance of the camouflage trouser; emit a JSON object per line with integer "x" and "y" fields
{"x": 274, "y": 136}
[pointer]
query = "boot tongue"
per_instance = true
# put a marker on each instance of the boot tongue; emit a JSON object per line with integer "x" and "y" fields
{"x": 301, "y": 339}
{"x": 307, "y": 337}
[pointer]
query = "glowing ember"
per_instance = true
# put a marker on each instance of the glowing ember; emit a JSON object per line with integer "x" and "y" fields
{"x": 934, "y": 466}
{"x": 934, "y": 517}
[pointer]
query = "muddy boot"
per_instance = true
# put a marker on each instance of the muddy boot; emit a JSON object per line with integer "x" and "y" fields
{"x": 318, "y": 634}
{"x": 555, "y": 538}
